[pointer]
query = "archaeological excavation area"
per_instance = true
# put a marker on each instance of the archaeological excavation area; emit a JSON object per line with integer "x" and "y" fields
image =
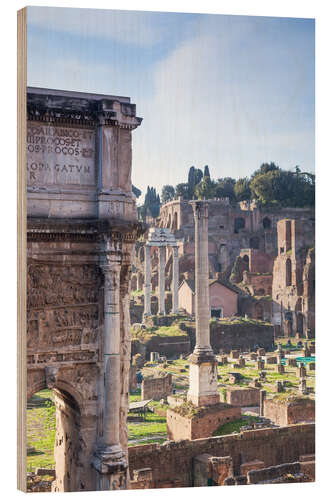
{"x": 175, "y": 351}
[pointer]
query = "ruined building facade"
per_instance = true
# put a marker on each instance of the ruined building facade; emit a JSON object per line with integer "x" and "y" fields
{"x": 293, "y": 289}
{"x": 82, "y": 228}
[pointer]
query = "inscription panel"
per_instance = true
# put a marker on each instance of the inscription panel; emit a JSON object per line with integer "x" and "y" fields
{"x": 60, "y": 155}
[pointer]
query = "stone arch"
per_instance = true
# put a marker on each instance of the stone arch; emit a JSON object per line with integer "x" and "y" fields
{"x": 239, "y": 223}
{"x": 288, "y": 272}
{"x": 169, "y": 221}
{"x": 69, "y": 443}
{"x": 267, "y": 223}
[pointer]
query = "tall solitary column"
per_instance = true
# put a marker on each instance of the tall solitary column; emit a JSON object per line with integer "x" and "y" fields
{"x": 111, "y": 461}
{"x": 175, "y": 279}
{"x": 147, "y": 309}
{"x": 161, "y": 280}
{"x": 203, "y": 365}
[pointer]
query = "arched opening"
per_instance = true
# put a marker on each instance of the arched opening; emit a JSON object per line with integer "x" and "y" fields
{"x": 142, "y": 254}
{"x": 267, "y": 223}
{"x": 140, "y": 281}
{"x": 259, "y": 311}
{"x": 134, "y": 283}
{"x": 300, "y": 323}
{"x": 239, "y": 224}
{"x": 246, "y": 262}
{"x": 175, "y": 221}
{"x": 288, "y": 272}
{"x": 54, "y": 442}
{"x": 289, "y": 328}
{"x": 169, "y": 221}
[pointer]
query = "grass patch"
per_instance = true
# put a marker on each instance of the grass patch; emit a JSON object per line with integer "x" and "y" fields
{"x": 41, "y": 428}
{"x": 154, "y": 424}
{"x": 234, "y": 426}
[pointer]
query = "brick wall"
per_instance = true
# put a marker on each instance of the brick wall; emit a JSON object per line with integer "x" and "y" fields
{"x": 201, "y": 426}
{"x": 284, "y": 413}
{"x": 175, "y": 459}
{"x": 156, "y": 388}
{"x": 243, "y": 397}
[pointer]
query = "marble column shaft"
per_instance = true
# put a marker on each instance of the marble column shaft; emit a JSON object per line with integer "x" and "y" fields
{"x": 175, "y": 280}
{"x": 147, "y": 308}
{"x": 111, "y": 358}
{"x": 202, "y": 308}
{"x": 161, "y": 280}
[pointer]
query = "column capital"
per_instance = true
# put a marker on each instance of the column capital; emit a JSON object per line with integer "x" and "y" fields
{"x": 200, "y": 208}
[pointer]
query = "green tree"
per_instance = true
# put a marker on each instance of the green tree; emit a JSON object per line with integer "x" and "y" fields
{"x": 136, "y": 191}
{"x": 168, "y": 193}
{"x": 182, "y": 190}
{"x": 205, "y": 190}
{"x": 225, "y": 188}
{"x": 242, "y": 189}
{"x": 206, "y": 171}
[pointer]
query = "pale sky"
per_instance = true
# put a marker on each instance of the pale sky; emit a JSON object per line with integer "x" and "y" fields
{"x": 231, "y": 92}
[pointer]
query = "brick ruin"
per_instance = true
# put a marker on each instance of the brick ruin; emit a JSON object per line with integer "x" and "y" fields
{"x": 156, "y": 387}
{"x": 292, "y": 411}
{"x": 293, "y": 289}
{"x": 214, "y": 460}
{"x": 81, "y": 231}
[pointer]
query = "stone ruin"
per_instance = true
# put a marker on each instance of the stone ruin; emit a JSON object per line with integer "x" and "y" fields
{"x": 81, "y": 230}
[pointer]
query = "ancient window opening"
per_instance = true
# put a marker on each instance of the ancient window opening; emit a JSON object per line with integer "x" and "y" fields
{"x": 239, "y": 224}
{"x": 288, "y": 272}
{"x": 267, "y": 223}
{"x": 246, "y": 262}
{"x": 300, "y": 323}
{"x": 216, "y": 312}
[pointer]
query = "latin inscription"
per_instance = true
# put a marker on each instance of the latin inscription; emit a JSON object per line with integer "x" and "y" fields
{"x": 60, "y": 155}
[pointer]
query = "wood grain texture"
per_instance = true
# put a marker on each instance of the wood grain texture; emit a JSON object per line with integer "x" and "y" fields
{"x": 21, "y": 246}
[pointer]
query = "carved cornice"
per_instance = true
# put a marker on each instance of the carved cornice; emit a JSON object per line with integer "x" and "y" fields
{"x": 94, "y": 230}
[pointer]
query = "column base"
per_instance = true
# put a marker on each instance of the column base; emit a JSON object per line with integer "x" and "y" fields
{"x": 110, "y": 460}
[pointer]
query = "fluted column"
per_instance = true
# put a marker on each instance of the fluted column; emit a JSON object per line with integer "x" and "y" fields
{"x": 147, "y": 309}
{"x": 161, "y": 280}
{"x": 175, "y": 280}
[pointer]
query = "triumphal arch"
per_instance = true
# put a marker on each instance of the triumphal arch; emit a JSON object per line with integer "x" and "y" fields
{"x": 82, "y": 227}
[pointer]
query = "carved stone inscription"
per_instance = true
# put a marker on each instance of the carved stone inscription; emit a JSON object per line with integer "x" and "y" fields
{"x": 63, "y": 306}
{"x": 60, "y": 155}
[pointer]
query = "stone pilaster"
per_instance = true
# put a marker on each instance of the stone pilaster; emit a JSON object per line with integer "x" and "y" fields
{"x": 175, "y": 280}
{"x": 110, "y": 459}
{"x": 161, "y": 280}
{"x": 147, "y": 309}
{"x": 203, "y": 365}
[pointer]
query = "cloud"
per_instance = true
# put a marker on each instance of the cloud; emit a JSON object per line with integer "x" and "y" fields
{"x": 232, "y": 97}
{"x": 127, "y": 27}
